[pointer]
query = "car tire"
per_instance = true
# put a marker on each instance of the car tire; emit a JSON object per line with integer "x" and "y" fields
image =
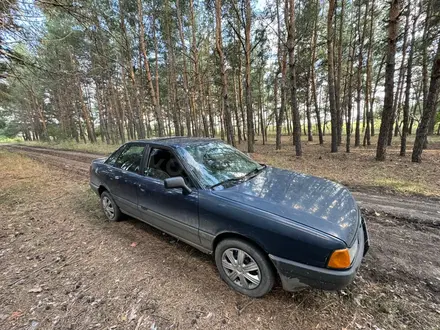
{"x": 109, "y": 207}
{"x": 244, "y": 267}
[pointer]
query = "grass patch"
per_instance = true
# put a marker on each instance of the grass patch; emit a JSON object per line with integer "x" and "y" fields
{"x": 95, "y": 148}
{"x": 4, "y": 139}
{"x": 402, "y": 186}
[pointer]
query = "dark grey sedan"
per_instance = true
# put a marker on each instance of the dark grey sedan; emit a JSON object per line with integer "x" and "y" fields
{"x": 259, "y": 222}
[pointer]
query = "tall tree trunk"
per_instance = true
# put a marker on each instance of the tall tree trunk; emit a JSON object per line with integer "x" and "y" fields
{"x": 219, "y": 47}
{"x": 373, "y": 97}
{"x": 211, "y": 115}
{"x": 415, "y": 107}
{"x": 398, "y": 94}
{"x": 367, "y": 136}
{"x": 236, "y": 106}
{"x": 393, "y": 29}
{"x": 172, "y": 91}
{"x": 139, "y": 123}
{"x": 188, "y": 103}
{"x": 349, "y": 95}
{"x": 357, "y": 138}
{"x": 248, "y": 86}
{"x": 422, "y": 130}
{"x": 280, "y": 58}
{"x": 308, "y": 115}
{"x": 331, "y": 79}
{"x": 153, "y": 93}
{"x": 339, "y": 74}
{"x": 290, "y": 13}
{"x": 313, "y": 75}
{"x": 425, "y": 44}
{"x": 240, "y": 93}
{"x": 408, "y": 85}
{"x": 84, "y": 111}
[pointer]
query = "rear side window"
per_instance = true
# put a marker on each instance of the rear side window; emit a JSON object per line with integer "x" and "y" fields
{"x": 112, "y": 158}
{"x": 130, "y": 158}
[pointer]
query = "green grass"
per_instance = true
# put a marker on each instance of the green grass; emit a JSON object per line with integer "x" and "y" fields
{"x": 98, "y": 148}
{"x": 403, "y": 186}
{"x": 4, "y": 139}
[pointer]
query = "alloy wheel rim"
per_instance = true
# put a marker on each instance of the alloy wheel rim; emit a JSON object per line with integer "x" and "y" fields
{"x": 108, "y": 208}
{"x": 241, "y": 268}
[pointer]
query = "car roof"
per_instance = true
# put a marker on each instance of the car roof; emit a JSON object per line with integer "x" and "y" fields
{"x": 178, "y": 141}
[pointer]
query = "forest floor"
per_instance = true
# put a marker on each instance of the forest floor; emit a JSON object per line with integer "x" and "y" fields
{"x": 65, "y": 267}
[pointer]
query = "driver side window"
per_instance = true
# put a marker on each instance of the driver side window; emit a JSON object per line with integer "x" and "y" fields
{"x": 162, "y": 164}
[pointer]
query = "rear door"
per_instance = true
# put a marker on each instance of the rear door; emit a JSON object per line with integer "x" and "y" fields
{"x": 124, "y": 177}
{"x": 171, "y": 210}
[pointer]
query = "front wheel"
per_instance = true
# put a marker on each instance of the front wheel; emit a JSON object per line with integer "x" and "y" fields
{"x": 111, "y": 210}
{"x": 244, "y": 267}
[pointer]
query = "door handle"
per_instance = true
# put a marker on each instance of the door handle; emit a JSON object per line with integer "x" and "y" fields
{"x": 117, "y": 177}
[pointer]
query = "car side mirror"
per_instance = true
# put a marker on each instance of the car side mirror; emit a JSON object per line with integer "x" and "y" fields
{"x": 177, "y": 182}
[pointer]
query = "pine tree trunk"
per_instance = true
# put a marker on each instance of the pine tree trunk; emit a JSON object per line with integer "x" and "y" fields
{"x": 373, "y": 97}
{"x": 188, "y": 103}
{"x": 331, "y": 79}
{"x": 339, "y": 74}
{"x": 236, "y": 106}
{"x": 308, "y": 115}
{"x": 313, "y": 76}
{"x": 350, "y": 93}
{"x": 292, "y": 77}
{"x": 248, "y": 86}
{"x": 422, "y": 130}
{"x": 367, "y": 136}
{"x": 211, "y": 116}
{"x": 398, "y": 94}
{"x": 138, "y": 121}
{"x": 153, "y": 94}
{"x": 393, "y": 28}
{"x": 425, "y": 44}
{"x": 219, "y": 47}
{"x": 408, "y": 86}
{"x": 281, "y": 61}
{"x": 357, "y": 138}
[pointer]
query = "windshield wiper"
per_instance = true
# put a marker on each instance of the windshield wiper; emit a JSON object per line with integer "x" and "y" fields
{"x": 255, "y": 171}
{"x": 246, "y": 177}
{"x": 239, "y": 179}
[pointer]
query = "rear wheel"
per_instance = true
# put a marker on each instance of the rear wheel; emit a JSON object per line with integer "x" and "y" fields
{"x": 111, "y": 210}
{"x": 244, "y": 267}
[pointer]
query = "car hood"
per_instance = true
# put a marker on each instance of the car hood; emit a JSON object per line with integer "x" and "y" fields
{"x": 315, "y": 202}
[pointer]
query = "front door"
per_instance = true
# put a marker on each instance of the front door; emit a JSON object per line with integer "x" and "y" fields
{"x": 171, "y": 210}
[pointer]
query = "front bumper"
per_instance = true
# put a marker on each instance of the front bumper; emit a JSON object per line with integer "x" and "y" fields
{"x": 94, "y": 187}
{"x": 295, "y": 275}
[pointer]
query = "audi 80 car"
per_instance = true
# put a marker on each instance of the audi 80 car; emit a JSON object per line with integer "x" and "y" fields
{"x": 258, "y": 221}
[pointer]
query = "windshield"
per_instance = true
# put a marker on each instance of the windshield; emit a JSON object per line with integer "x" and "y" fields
{"x": 215, "y": 162}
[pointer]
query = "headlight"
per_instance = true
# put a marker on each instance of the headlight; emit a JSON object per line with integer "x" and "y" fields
{"x": 353, "y": 250}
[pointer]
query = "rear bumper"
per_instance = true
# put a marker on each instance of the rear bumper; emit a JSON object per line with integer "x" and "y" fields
{"x": 295, "y": 275}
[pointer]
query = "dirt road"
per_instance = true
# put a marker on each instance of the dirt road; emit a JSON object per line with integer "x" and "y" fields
{"x": 64, "y": 267}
